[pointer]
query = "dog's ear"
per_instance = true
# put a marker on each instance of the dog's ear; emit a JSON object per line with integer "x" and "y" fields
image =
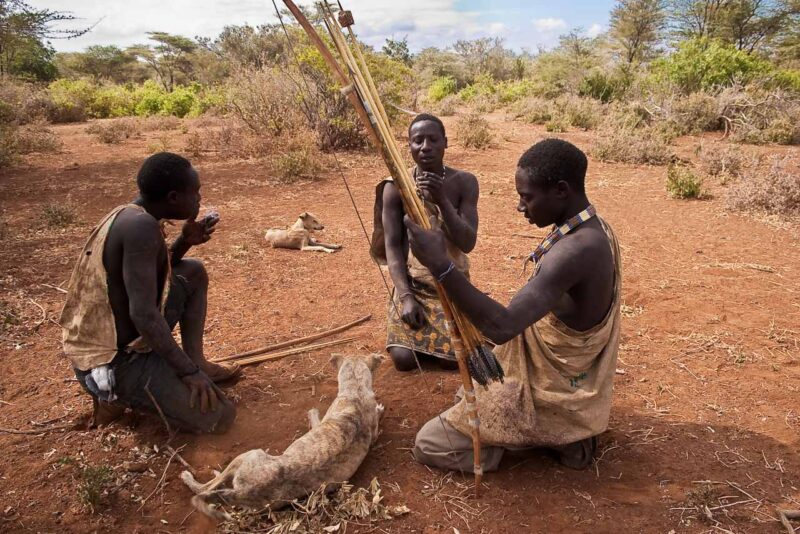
{"x": 336, "y": 360}
{"x": 303, "y": 215}
{"x": 374, "y": 361}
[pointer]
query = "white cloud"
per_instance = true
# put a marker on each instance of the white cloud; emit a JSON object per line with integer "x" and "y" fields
{"x": 595, "y": 30}
{"x": 426, "y": 22}
{"x": 549, "y": 24}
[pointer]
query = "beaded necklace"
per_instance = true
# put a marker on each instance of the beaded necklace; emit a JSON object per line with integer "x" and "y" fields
{"x": 556, "y": 234}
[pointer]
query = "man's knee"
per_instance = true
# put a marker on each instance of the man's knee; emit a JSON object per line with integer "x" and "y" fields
{"x": 402, "y": 358}
{"x": 226, "y": 419}
{"x": 193, "y": 271}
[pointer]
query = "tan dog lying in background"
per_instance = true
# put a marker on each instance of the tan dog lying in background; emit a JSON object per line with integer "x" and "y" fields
{"x": 328, "y": 453}
{"x": 298, "y": 236}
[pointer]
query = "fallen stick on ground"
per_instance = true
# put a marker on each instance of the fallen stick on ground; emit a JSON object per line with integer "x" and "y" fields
{"x": 59, "y": 289}
{"x": 183, "y": 462}
{"x": 786, "y": 515}
{"x": 289, "y": 343}
{"x": 36, "y": 431}
{"x": 290, "y": 352}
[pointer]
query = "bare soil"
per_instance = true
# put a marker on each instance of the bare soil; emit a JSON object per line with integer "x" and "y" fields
{"x": 706, "y": 389}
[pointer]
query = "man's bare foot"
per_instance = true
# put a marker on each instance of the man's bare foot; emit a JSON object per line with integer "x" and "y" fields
{"x": 220, "y": 373}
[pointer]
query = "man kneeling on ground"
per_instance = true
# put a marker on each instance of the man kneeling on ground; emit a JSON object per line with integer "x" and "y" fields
{"x": 126, "y": 294}
{"x": 559, "y": 334}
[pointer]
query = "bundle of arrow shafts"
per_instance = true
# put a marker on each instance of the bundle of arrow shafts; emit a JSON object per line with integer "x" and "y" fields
{"x": 480, "y": 360}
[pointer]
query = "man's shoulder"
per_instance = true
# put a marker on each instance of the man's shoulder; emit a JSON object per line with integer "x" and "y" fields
{"x": 135, "y": 224}
{"x": 464, "y": 176}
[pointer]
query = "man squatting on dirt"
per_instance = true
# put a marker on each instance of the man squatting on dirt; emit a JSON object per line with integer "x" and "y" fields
{"x": 415, "y": 317}
{"x": 126, "y": 294}
{"x": 558, "y": 337}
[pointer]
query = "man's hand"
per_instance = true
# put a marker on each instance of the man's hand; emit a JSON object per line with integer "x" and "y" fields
{"x": 428, "y": 246}
{"x": 202, "y": 388}
{"x": 196, "y": 232}
{"x": 432, "y": 187}
{"x": 411, "y": 312}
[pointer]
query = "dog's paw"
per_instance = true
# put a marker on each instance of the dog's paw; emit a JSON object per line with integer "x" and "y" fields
{"x": 190, "y": 481}
{"x": 380, "y": 409}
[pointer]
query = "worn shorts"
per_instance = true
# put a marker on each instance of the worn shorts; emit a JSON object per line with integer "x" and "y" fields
{"x": 134, "y": 372}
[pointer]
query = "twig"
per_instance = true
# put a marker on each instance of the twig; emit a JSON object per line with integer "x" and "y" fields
{"x": 307, "y": 339}
{"x": 36, "y": 431}
{"x": 59, "y": 289}
{"x": 44, "y": 314}
{"x": 160, "y": 482}
{"x": 290, "y": 352}
{"x": 785, "y": 516}
{"x": 183, "y": 462}
{"x": 158, "y": 407}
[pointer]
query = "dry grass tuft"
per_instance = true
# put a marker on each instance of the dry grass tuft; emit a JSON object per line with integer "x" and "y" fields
{"x": 59, "y": 215}
{"x": 724, "y": 164}
{"x": 473, "y": 131}
{"x": 643, "y": 146}
{"x": 320, "y": 512}
{"x": 113, "y": 132}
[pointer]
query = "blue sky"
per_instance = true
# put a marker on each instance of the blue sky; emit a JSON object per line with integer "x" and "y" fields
{"x": 523, "y": 24}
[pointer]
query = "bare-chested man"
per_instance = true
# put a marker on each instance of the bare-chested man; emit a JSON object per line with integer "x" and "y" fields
{"x": 127, "y": 293}
{"x": 559, "y": 334}
{"x": 416, "y": 321}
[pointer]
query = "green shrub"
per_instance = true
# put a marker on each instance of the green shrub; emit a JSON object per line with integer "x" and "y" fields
{"x": 179, "y": 102}
{"x": 94, "y": 484}
{"x": 149, "y": 99}
{"x": 297, "y": 163}
{"x": 788, "y": 79}
{"x": 775, "y": 191}
{"x": 113, "y": 101}
{"x": 441, "y": 87}
{"x": 602, "y": 86}
{"x": 683, "y": 183}
{"x": 473, "y": 131}
{"x": 71, "y": 100}
{"x": 514, "y": 90}
{"x": 702, "y": 63}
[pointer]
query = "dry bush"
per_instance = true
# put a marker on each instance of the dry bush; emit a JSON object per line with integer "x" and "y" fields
{"x": 264, "y": 100}
{"x": 162, "y": 144}
{"x": 774, "y": 190}
{"x": 113, "y": 132}
{"x": 473, "y": 131}
{"x": 583, "y": 113}
{"x": 158, "y": 123}
{"x": 683, "y": 182}
{"x": 626, "y": 145}
{"x": 533, "y": 110}
{"x": 446, "y": 107}
{"x": 8, "y": 144}
{"x": 299, "y": 161}
{"x": 722, "y": 163}
{"x": 557, "y": 124}
{"x": 691, "y": 114}
{"x": 759, "y": 117}
{"x": 59, "y": 215}
{"x": 194, "y": 144}
{"x": 39, "y": 139}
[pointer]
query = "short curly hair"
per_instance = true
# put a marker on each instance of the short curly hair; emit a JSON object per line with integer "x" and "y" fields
{"x": 427, "y": 117}
{"x": 161, "y": 173}
{"x": 553, "y": 160}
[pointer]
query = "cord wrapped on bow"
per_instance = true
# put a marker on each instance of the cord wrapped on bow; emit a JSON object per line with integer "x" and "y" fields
{"x": 475, "y": 358}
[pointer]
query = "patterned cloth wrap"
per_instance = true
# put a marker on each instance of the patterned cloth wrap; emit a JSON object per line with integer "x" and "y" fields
{"x": 433, "y": 339}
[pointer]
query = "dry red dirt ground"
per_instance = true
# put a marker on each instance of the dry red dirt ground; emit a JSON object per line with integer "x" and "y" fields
{"x": 706, "y": 388}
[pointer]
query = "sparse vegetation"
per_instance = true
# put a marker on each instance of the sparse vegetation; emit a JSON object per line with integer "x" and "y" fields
{"x": 645, "y": 146}
{"x": 723, "y": 163}
{"x": 296, "y": 163}
{"x": 113, "y": 132}
{"x": 774, "y": 190}
{"x": 683, "y": 182}
{"x": 93, "y": 485}
{"x": 59, "y": 215}
{"x": 473, "y": 131}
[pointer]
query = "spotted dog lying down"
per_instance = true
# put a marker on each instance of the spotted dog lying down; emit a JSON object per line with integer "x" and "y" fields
{"x": 330, "y": 452}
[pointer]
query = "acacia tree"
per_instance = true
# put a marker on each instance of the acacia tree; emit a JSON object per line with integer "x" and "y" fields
{"x": 24, "y": 31}
{"x": 398, "y": 50}
{"x": 636, "y": 27}
{"x": 168, "y": 59}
